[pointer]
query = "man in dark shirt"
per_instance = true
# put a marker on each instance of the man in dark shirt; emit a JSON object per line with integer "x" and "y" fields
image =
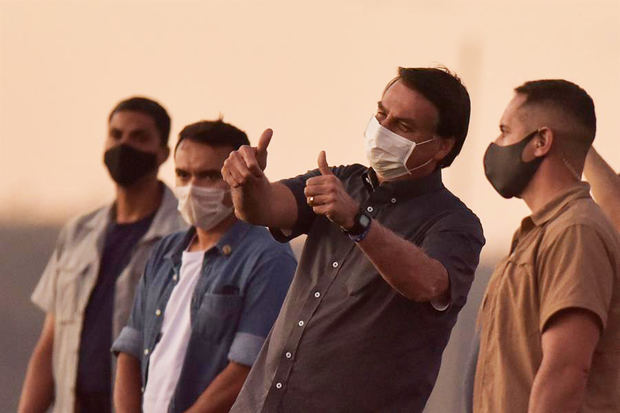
{"x": 387, "y": 264}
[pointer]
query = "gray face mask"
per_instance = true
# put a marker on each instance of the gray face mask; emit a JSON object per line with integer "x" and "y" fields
{"x": 505, "y": 169}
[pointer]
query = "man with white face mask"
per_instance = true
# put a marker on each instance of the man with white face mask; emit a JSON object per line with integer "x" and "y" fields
{"x": 208, "y": 296}
{"x": 387, "y": 264}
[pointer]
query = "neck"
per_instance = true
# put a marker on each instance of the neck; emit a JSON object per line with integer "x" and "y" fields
{"x": 137, "y": 201}
{"x": 206, "y": 239}
{"x": 548, "y": 182}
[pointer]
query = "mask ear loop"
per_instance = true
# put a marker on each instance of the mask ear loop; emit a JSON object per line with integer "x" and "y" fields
{"x": 425, "y": 163}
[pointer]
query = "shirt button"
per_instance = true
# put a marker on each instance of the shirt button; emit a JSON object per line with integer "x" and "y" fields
{"x": 288, "y": 355}
{"x": 158, "y": 312}
{"x": 370, "y": 209}
{"x": 142, "y": 389}
{"x": 317, "y": 294}
{"x": 301, "y": 323}
{"x": 393, "y": 200}
{"x": 175, "y": 277}
{"x": 146, "y": 351}
{"x": 335, "y": 264}
{"x": 278, "y": 385}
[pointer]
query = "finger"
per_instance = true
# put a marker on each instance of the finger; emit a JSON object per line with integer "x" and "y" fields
{"x": 314, "y": 190}
{"x": 322, "y": 180}
{"x": 317, "y": 200}
{"x": 324, "y": 209}
{"x": 263, "y": 141}
{"x": 228, "y": 177}
{"x": 251, "y": 163}
{"x": 323, "y": 167}
{"x": 237, "y": 168}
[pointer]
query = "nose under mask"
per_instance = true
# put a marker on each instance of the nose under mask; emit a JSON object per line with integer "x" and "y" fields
{"x": 388, "y": 152}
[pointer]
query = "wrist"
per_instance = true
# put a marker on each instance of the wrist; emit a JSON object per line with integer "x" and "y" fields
{"x": 360, "y": 226}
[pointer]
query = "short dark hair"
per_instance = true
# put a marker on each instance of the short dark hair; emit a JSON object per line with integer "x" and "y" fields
{"x": 566, "y": 96}
{"x": 214, "y": 133}
{"x": 148, "y": 107}
{"x": 447, "y": 93}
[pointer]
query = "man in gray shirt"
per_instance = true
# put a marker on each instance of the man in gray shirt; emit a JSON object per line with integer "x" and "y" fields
{"x": 88, "y": 285}
{"x": 387, "y": 264}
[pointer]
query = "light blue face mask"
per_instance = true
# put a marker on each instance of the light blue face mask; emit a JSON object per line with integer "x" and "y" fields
{"x": 389, "y": 152}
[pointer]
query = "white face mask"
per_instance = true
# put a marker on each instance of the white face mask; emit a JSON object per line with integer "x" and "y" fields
{"x": 202, "y": 207}
{"x": 388, "y": 152}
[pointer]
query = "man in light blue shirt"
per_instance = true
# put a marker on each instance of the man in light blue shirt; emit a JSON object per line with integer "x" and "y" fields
{"x": 208, "y": 296}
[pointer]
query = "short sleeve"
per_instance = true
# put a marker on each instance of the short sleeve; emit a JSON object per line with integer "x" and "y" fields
{"x": 305, "y": 215}
{"x": 44, "y": 295}
{"x": 262, "y": 301}
{"x": 575, "y": 271}
{"x": 130, "y": 339}
{"x": 456, "y": 242}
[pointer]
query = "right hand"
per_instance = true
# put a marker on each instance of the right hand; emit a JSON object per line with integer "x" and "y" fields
{"x": 247, "y": 163}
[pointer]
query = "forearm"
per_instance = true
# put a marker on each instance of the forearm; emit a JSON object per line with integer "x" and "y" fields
{"x": 38, "y": 390}
{"x": 558, "y": 390}
{"x": 414, "y": 274}
{"x": 605, "y": 185}
{"x": 223, "y": 390}
{"x": 127, "y": 386}
{"x": 267, "y": 204}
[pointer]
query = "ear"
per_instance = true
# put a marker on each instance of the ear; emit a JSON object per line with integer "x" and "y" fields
{"x": 162, "y": 155}
{"x": 445, "y": 146}
{"x": 543, "y": 141}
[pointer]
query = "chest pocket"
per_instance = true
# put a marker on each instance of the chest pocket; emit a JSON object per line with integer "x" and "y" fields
{"x": 218, "y": 316}
{"x": 68, "y": 288}
{"x": 517, "y": 293}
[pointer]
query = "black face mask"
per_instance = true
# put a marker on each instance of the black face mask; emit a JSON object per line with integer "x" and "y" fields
{"x": 505, "y": 169}
{"x": 127, "y": 164}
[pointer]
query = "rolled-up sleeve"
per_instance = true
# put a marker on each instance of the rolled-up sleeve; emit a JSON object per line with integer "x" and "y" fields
{"x": 263, "y": 298}
{"x": 128, "y": 341}
{"x": 131, "y": 337}
{"x": 305, "y": 215}
{"x": 456, "y": 242}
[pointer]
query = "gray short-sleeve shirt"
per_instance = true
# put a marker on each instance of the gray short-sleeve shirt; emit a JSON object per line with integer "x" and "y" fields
{"x": 345, "y": 340}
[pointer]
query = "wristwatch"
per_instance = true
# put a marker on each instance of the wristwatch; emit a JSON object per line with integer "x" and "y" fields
{"x": 360, "y": 228}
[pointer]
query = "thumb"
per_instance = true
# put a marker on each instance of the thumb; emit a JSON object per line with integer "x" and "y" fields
{"x": 264, "y": 140}
{"x": 323, "y": 164}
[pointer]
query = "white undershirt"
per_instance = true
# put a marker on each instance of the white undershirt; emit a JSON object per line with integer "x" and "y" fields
{"x": 167, "y": 359}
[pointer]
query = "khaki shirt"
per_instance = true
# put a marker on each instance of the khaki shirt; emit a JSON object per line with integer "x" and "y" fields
{"x": 565, "y": 256}
{"x": 70, "y": 276}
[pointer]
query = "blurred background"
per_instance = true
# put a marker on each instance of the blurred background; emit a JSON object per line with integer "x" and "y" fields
{"x": 312, "y": 71}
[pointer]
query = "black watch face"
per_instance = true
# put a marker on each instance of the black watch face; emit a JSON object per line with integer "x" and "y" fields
{"x": 364, "y": 220}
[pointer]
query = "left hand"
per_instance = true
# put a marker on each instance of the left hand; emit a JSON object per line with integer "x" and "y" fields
{"x": 327, "y": 196}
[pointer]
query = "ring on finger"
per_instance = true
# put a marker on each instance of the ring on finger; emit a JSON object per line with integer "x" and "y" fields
{"x": 310, "y": 200}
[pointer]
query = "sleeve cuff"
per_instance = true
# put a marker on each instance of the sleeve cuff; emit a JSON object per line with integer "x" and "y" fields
{"x": 129, "y": 341}
{"x": 245, "y": 348}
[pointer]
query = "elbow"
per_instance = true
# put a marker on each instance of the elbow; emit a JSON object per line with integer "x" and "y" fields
{"x": 433, "y": 288}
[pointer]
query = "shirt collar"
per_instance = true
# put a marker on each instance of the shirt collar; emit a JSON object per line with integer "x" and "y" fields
{"x": 554, "y": 207}
{"x": 225, "y": 246}
{"x": 408, "y": 188}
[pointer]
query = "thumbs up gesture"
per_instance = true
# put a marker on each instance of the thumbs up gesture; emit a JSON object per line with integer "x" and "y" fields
{"x": 327, "y": 196}
{"x": 246, "y": 164}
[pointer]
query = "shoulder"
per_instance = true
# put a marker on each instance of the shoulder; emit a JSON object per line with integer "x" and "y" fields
{"x": 584, "y": 218}
{"x": 259, "y": 241}
{"x": 456, "y": 216}
{"x": 81, "y": 224}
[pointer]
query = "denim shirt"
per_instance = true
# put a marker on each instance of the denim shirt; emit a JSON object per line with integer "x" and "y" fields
{"x": 243, "y": 282}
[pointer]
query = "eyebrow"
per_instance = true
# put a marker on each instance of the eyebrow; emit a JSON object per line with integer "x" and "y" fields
{"x": 214, "y": 173}
{"x": 409, "y": 121}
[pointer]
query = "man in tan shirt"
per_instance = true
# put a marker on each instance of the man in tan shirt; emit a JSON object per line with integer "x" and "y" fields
{"x": 550, "y": 319}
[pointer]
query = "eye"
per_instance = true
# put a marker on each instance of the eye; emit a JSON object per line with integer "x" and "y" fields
{"x": 182, "y": 174}
{"x": 404, "y": 127}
